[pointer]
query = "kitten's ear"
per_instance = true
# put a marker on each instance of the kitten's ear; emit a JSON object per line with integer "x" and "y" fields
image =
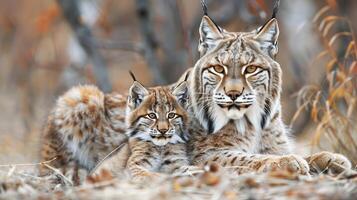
{"x": 267, "y": 37}
{"x": 180, "y": 91}
{"x": 210, "y": 34}
{"x": 137, "y": 92}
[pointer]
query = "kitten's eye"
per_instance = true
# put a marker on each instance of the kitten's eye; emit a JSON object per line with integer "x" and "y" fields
{"x": 250, "y": 69}
{"x": 152, "y": 115}
{"x": 219, "y": 69}
{"x": 171, "y": 115}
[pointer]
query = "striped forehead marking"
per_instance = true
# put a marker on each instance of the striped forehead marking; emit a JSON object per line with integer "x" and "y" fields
{"x": 162, "y": 101}
{"x": 235, "y": 55}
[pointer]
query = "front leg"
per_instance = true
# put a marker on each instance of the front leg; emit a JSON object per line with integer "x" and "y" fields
{"x": 143, "y": 161}
{"x": 275, "y": 139}
{"x": 244, "y": 162}
{"x": 175, "y": 160}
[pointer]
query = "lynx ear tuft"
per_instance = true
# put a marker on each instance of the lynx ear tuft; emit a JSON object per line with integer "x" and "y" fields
{"x": 132, "y": 75}
{"x": 275, "y": 8}
{"x": 204, "y": 7}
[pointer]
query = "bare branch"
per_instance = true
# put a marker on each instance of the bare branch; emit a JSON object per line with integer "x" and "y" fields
{"x": 174, "y": 41}
{"x": 125, "y": 46}
{"x": 84, "y": 35}
{"x": 149, "y": 40}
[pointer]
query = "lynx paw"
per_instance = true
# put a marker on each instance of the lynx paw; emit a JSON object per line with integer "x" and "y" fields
{"x": 291, "y": 163}
{"x": 321, "y": 161}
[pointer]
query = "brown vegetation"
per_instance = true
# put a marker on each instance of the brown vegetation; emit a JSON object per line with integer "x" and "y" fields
{"x": 157, "y": 39}
{"x": 332, "y": 104}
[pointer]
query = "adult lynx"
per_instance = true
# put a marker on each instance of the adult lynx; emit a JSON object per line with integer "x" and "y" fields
{"x": 235, "y": 91}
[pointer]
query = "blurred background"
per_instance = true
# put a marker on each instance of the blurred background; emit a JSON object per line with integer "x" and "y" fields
{"x": 48, "y": 46}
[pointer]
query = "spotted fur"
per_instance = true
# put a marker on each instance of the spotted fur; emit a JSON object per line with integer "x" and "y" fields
{"x": 84, "y": 126}
{"x": 156, "y": 120}
{"x": 235, "y": 91}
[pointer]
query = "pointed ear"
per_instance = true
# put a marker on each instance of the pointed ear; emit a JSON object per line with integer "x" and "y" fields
{"x": 180, "y": 91}
{"x": 137, "y": 92}
{"x": 267, "y": 36}
{"x": 210, "y": 34}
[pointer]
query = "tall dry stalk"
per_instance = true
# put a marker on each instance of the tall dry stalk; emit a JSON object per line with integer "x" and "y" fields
{"x": 332, "y": 106}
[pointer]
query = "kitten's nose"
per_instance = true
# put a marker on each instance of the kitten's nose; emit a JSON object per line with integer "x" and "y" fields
{"x": 162, "y": 127}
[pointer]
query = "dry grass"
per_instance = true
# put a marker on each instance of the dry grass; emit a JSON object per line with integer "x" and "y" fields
{"x": 332, "y": 107}
{"x": 210, "y": 183}
{"x": 332, "y": 103}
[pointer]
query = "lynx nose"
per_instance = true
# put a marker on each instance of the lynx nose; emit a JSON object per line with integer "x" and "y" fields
{"x": 163, "y": 131}
{"x": 233, "y": 94}
{"x": 233, "y": 88}
{"x": 162, "y": 127}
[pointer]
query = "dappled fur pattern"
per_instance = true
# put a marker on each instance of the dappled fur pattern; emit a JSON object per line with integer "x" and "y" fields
{"x": 235, "y": 115}
{"x": 149, "y": 126}
{"x": 235, "y": 96}
{"x": 84, "y": 126}
{"x": 156, "y": 120}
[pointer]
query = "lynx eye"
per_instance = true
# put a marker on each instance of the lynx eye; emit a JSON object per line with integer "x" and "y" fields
{"x": 219, "y": 69}
{"x": 171, "y": 115}
{"x": 250, "y": 69}
{"x": 152, "y": 115}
